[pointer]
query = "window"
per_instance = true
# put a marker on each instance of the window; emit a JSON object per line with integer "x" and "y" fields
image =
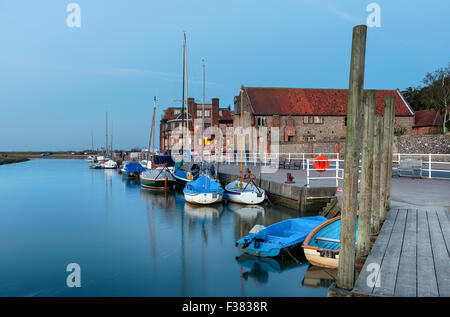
{"x": 176, "y": 111}
{"x": 291, "y": 138}
{"x": 207, "y": 113}
{"x": 261, "y": 121}
{"x": 312, "y": 119}
{"x": 309, "y": 138}
{"x": 220, "y": 113}
{"x": 199, "y": 113}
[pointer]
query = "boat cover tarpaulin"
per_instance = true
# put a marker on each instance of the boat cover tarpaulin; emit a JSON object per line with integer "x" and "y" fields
{"x": 204, "y": 184}
{"x": 271, "y": 240}
{"x": 161, "y": 159}
{"x": 133, "y": 167}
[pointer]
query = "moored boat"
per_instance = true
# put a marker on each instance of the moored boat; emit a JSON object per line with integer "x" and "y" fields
{"x": 157, "y": 179}
{"x": 322, "y": 244}
{"x": 203, "y": 191}
{"x": 109, "y": 164}
{"x": 270, "y": 241}
{"x": 244, "y": 193}
{"x": 131, "y": 169}
{"x": 91, "y": 159}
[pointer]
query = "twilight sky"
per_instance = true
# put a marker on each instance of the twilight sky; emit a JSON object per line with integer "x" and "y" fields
{"x": 56, "y": 82}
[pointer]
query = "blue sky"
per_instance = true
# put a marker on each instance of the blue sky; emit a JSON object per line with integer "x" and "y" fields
{"x": 56, "y": 82}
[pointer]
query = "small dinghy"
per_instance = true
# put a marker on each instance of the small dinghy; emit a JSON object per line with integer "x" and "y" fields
{"x": 270, "y": 241}
{"x": 323, "y": 243}
{"x": 244, "y": 193}
{"x": 95, "y": 166}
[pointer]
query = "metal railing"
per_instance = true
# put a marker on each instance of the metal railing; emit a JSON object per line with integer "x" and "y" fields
{"x": 436, "y": 166}
{"x": 336, "y": 169}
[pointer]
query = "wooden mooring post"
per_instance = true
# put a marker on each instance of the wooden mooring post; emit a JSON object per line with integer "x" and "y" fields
{"x": 389, "y": 103}
{"x": 391, "y": 150}
{"x": 365, "y": 202}
{"x": 377, "y": 141}
{"x": 346, "y": 271}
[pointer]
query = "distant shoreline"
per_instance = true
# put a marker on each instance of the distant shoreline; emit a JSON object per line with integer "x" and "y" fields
{"x": 18, "y": 157}
{"x": 11, "y": 160}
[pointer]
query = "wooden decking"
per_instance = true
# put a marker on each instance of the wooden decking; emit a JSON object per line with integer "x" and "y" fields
{"x": 413, "y": 254}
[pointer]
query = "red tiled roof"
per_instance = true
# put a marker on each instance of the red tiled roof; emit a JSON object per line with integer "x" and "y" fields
{"x": 307, "y": 101}
{"x": 427, "y": 118}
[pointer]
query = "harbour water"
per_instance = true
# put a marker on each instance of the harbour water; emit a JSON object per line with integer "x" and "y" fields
{"x": 131, "y": 242}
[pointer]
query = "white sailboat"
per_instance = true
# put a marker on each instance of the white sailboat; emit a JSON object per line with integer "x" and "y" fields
{"x": 244, "y": 190}
{"x": 205, "y": 190}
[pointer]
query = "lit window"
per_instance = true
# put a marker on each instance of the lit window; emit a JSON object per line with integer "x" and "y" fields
{"x": 317, "y": 119}
{"x": 308, "y": 119}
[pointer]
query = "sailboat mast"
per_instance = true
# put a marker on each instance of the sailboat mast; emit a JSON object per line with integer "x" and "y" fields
{"x": 186, "y": 94}
{"x": 111, "y": 145}
{"x": 242, "y": 133}
{"x": 106, "y": 142}
{"x": 203, "y": 113}
{"x": 203, "y": 123}
{"x": 149, "y": 144}
{"x": 92, "y": 140}
{"x": 153, "y": 128}
{"x": 182, "y": 98}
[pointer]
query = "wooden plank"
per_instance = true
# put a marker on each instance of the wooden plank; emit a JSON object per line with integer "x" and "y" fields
{"x": 376, "y": 254}
{"x": 389, "y": 266}
{"x": 426, "y": 278}
{"x": 440, "y": 254}
{"x": 445, "y": 227}
{"x": 406, "y": 285}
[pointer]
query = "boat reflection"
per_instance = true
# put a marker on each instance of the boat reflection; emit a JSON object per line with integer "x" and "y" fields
{"x": 203, "y": 212}
{"x": 319, "y": 277}
{"x": 259, "y": 267}
{"x": 165, "y": 201}
{"x": 247, "y": 212}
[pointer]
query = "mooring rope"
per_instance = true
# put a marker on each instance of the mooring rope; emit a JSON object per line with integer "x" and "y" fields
{"x": 292, "y": 256}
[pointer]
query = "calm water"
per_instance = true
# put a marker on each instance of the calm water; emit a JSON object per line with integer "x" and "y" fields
{"x": 130, "y": 242}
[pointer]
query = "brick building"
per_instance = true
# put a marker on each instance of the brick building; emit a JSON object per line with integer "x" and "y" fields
{"x": 427, "y": 122}
{"x": 309, "y": 120}
{"x": 214, "y": 117}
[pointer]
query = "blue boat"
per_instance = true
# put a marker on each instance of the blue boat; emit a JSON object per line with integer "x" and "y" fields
{"x": 286, "y": 234}
{"x": 203, "y": 191}
{"x": 186, "y": 172}
{"x": 322, "y": 245}
{"x": 132, "y": 170}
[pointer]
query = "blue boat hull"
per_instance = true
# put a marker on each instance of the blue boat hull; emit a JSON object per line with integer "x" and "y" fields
{"x": 270, "y": 241}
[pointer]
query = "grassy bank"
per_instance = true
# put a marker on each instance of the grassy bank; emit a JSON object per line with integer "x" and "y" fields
{"x": 10, "y": 159}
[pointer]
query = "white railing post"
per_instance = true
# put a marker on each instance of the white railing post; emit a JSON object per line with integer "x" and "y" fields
{"x": 429, "y": 165}
{"x": 337, "y": 172}
{"x": 303, "y": 160}
{"x": 307, "y": 173}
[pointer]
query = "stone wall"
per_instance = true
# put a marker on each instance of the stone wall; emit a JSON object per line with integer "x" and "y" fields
{"x": 422, "y": 144}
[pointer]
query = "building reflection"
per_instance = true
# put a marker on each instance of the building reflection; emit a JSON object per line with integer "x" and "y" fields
{"x": 319, "y": 277}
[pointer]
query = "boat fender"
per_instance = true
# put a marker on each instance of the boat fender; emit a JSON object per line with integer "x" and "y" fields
{"x": 257, "y": 242}
{"x": 257, "y": 228}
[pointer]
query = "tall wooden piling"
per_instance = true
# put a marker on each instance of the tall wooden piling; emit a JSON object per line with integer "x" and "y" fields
{"x": 346, "y": 272}
{"x": 365, "y": 202}
{"x": 377, "y": 141}
{"x": 388, "y": 104}
{"x": 391, "y": 150}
